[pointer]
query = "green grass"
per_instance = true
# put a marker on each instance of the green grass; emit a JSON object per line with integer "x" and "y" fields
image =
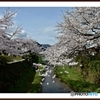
{"x": 74, "y": 80}
{"x": 34, "y": 57}
{"x": 4, "y": 59}
{"x": 29, "y": 83}
{"x": 91, "y": 67}
{"x": 35, "y": 85}
{"x": 17, "y": 58}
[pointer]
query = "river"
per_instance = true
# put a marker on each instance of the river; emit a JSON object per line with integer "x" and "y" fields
{"x": 51, "y": 84}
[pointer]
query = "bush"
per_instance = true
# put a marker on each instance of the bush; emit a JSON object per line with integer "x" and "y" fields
{"x": 34, "y": 58}
{"x": 4, "y": 59}
{"x": 40, "y": 60}
{"x": 90, "y": 67}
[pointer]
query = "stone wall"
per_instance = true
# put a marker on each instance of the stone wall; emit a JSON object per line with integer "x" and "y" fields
{"x": 11, "y": 73}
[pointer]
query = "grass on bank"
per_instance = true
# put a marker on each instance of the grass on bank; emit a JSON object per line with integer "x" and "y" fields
{"x": 74, "y": 80}
{"x": 29, "y": 83}
{"x": 35, "y": 86}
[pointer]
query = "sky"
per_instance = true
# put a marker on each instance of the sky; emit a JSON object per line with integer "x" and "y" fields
{"x": 38, "y": 23}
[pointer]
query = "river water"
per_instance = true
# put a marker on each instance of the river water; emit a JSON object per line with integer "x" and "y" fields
{"x": 51, "y": 84}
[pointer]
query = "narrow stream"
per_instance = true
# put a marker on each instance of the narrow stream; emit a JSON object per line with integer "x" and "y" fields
{"x": 52, "y": 85}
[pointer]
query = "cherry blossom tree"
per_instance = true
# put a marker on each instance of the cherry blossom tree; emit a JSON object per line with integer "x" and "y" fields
{"x": 79, "y": 28}
{"x": 6, "y": 34}
{"x": 6, "y": 23}
{"x": 30, "y": 45}
{"x": 8, "y": 43}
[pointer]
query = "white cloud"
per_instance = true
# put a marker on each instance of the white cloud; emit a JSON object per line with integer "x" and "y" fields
{"x": 15, "y": 15}
{"x": 23, "y": 34}
{"x": 44, "y": 35}
{"x": 49, "y": 29}
{"x": 23, "y": 31}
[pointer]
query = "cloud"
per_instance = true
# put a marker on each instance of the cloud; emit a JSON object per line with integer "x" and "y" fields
{"x": 15, "y": 15}
{"x": 49, "y": 29}
{"x": 23, "y": 31}
{"x": 44, "y": 35}
{"x": 23, "y": 34}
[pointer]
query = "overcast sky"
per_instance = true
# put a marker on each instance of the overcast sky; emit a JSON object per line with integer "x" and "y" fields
{"x": 38, "y": 23}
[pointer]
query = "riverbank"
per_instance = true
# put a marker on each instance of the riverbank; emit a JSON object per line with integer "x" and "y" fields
{"x": 29, "y": 83}
{"x": 74, "y": 80}
{"x": 18, "y": 75}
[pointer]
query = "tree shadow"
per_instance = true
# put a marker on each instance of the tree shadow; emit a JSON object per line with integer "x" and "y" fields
{"x": 23, "y": 85}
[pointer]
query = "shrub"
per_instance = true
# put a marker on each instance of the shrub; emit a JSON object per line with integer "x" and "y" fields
{"x": 90, "y": 67}
{"x": 4, "y": 59}
{"x": 34, "y": 58}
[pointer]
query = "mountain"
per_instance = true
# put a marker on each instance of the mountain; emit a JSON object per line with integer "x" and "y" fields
{"x": 46, "y": 45}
